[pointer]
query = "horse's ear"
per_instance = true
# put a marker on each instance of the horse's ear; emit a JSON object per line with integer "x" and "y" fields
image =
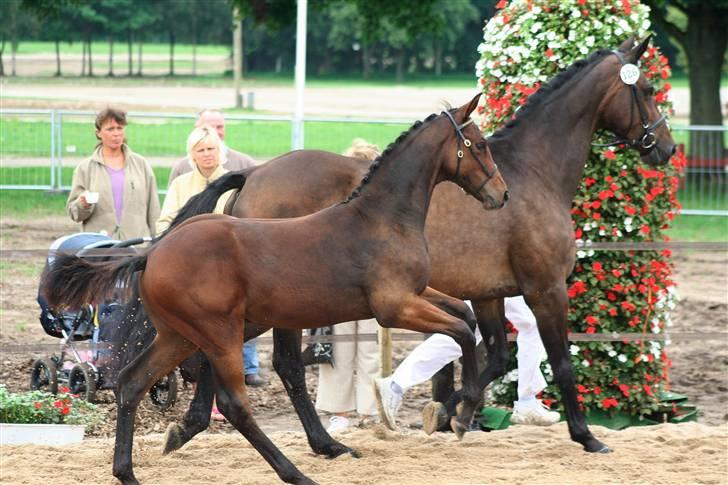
{"x": 468, "y": 108}
{"x": 637, "y": 52}
{"x": 627, "y": 45}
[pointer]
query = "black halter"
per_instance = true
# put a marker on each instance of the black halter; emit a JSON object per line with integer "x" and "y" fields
{"x": 648, "y": 139}
{"x": 465, "y": 141}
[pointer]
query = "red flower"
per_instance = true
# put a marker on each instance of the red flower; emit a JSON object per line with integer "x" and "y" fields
{"x": 627, "y": 7}
{"x": 65, "y": 410}
{"x": 501, "y": 4}
{"x": 590, "y": 181}
{"x": 58, "y": 404}
{"x": 549, "y": 53}
{"x": 592, "y": 320}
{"x": 645, "y": 229}
{"x": 37, "y": 405}
{"x": 597, "y": 266}
{"x": 582, "y": 389}
{"x": 581, "y": 2}
{"x": 609, "y": 154}
{"x": 609, "y": 402}
{"x": 613, "y": 312}
{"x": 648, "y": 389}
{"x": 597, "y": 390}
{"x": 616, "y": 273}
{"x": 630, "y": 210}
{"x": 625, "y": 389}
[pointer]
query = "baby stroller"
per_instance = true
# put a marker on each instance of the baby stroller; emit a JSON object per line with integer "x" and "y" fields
{"x": 84, "y": 371}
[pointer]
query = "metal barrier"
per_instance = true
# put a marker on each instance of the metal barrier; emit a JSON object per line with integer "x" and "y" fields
{"x": 40, "y": 148}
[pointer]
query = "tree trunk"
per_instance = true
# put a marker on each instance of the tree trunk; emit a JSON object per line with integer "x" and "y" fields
{"x": 111, "y": 56}
{"x": 366, "y": 61}
{"x": 131, "y": 59}
{"x": 171, "y": 53}
{"x": 83, "y": 58}
{"x": 2, "y": 49}
{"x": 399, "y": 77}
{"x": 437, "y": 53}
{"x": 194, "y": 57}
{"x": 139, "y": 56}
{"x": 13, "y": 51}
{"x": 90, "y": 59}
{"x": 706, "y": 40}
{"x": 58, "y": 58}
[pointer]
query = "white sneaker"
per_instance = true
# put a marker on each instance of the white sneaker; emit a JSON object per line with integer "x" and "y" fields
{"x": 388, "y": 402}
{"x": 337, "y": 423}
{"x": 534, "y": 413}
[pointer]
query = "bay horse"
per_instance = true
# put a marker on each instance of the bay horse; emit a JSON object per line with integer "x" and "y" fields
{"x": 526, "y": 248}
{"x": 365, "y": 257}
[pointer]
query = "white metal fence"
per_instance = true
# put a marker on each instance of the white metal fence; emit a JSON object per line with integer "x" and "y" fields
{"x": 40, "y": 148}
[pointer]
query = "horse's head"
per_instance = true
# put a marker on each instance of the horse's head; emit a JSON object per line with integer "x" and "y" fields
{"x": 631, "y": 111}
{"x": 473, "y": 167}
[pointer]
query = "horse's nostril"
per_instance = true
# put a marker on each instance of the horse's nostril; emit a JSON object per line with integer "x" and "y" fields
{"x": 674, "y": 150}
{"x": 505, "y": 196}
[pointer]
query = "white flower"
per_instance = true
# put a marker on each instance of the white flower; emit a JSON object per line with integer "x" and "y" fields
{"x": 512, "y": 376}
{"x": 576, "y": 13}
{"x": 536, "y": 27}
{"x": 612, "y": 353}
{"x": 585, "y": 363}
{"x": 627, "y": 221}
{"x": 574, "y": 349}
{"x": 581, "y": 254}
{"x": 622, "y": 358}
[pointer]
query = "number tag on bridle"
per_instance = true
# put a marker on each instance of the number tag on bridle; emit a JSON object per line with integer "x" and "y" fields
{"x": 629, "y": 74}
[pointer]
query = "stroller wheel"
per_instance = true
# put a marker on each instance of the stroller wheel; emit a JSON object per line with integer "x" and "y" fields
{"x": 164, "y": 392}
{"x": 44, "y": 376}
{"x": 82, "y": 381}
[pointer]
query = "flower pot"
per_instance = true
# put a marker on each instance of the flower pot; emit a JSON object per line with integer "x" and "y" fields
{"x": 40, "y": 434}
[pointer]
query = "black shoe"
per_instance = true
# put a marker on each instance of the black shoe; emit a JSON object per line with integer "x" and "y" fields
{"x": 254, "y": 380}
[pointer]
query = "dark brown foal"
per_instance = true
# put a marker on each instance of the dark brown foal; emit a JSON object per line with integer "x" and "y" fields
{"x": 364, "y": 257}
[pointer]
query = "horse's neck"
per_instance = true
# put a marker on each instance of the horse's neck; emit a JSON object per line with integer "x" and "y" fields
{"x": 402, "y": 186}
{"x": 551, "y": 144}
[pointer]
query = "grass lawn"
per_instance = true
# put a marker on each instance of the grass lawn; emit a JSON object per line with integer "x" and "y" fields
{"x": 100, "y": 48}
{"x": 27, "y": 203}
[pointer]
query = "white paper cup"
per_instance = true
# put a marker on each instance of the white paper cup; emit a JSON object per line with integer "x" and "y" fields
{"x": 92, "y": 197}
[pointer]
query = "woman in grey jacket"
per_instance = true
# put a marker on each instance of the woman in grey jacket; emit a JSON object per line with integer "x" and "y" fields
{"x": 114, "y": 190}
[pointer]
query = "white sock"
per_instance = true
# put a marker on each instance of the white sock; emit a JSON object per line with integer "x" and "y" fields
{"x": 527, "y": 401}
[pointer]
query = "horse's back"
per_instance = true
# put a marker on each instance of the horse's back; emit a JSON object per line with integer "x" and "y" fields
{"x": 298, "y": 183}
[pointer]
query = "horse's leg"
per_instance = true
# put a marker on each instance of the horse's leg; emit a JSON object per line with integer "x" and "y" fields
{"x": 155, "y": 362}
{"x": 550, "y": 308}
{"x": 435, "y": 312}
{"x": 289, "y": 367}
{"x": 232, "y": 399}
{"x": 470, "y": 392}
{"x": 491, "y": 322}
{"x": 197, "y": 417}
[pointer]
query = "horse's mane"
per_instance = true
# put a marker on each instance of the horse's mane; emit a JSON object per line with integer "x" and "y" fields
{"x": 546, "y": 90}
{"x": 378, "y": 161}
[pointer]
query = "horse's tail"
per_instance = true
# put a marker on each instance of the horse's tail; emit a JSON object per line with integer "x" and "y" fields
{"x": 205, "y": 201}
{"x": 72, "y": 282}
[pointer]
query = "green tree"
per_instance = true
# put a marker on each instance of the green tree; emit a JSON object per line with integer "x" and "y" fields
{"x": 701, "y": 29}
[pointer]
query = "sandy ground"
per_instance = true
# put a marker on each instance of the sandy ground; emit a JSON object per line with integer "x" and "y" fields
{"x": 688, "y": 453}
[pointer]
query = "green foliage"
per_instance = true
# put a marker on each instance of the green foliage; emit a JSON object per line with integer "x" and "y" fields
{"x": 619, "y": 199}
{"x": 40, "y": 407}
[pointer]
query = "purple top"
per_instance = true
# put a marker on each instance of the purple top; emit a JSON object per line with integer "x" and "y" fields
{"x": 117, "y": 190}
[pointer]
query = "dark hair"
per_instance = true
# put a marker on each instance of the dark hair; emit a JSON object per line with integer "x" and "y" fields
{"x": 118, "y": 115}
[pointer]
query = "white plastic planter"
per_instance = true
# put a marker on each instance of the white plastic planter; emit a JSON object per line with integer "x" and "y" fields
{"x": 40, "y": 434}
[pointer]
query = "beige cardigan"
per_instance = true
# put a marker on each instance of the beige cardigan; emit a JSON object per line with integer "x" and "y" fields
{"x": 183, "y": 188}
{"x": 141, "y": 202}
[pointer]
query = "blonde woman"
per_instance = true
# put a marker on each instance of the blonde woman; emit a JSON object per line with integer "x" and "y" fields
{"x": 204, "y": 148}
{"x": 345, "y": 387}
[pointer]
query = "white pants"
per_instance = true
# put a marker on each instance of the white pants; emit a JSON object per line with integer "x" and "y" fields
{"x": 347, "y": 385}
{"x": 439, "y": 350}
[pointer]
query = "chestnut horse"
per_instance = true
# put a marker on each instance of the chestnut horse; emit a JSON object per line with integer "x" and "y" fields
{"x": 526, "y": 248}
{"x": 365, "y": 257}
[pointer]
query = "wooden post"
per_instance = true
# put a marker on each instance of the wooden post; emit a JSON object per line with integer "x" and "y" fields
{"x": 385, "y": 351}
{"x": 237, "y": 57}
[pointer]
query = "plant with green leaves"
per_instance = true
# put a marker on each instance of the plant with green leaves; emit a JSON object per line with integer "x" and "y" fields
{"x": 620, "y": 199}
{"x": 40, "y": 407}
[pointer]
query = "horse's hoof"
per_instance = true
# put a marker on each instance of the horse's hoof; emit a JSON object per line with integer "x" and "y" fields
{"x": 172, "y": 438}
{"x": 457, "y": 427}
{"x": 434, "y": 417}
{"x": 596, "y": 446}
{"x": 337, "y": 449}
{"x": 127, "y": 478}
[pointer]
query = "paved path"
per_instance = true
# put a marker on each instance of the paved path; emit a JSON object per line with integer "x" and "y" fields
{"x": 407, "y": 103}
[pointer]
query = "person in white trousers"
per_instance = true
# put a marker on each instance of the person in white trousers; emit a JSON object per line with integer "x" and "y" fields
{"x": 439, "y": 350}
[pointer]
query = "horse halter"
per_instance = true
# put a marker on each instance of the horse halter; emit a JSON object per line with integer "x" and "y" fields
{"x": 465, "y": 141}
{"x": 648, "y": 139}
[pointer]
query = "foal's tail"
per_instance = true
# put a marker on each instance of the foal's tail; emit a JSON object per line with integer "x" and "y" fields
{"x": 72, "y": 282}
{"x": 205, "y": 201}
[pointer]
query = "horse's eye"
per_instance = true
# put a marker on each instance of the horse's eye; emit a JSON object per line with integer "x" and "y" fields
{"x": 650, "y": 91}
{"x": 481, "y": 145}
